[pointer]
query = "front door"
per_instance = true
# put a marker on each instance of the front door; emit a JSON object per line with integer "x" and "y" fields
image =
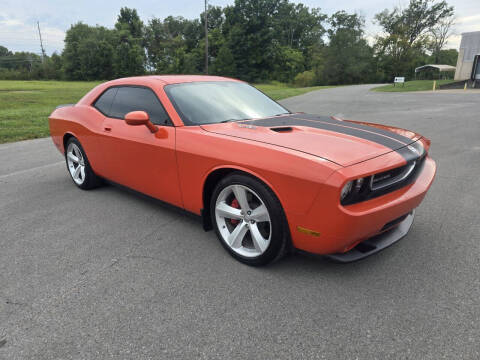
{"x": 138, "y": 158}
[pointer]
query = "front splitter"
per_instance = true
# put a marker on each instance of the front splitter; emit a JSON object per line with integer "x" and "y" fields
{"x": 376, "y": 243}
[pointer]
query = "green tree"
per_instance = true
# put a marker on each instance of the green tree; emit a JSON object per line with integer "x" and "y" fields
{"x": 173, "y": 45}
{"x": 216, "y": 36}
{"x": 269, "y": 39}
{"x": 129, "y": 20}
{"x": 348, "y": 57}
{"x": 288, "y": 63}
{"x": 297, "y": 26}
{"x": 4, "y": 51}
{"x": 129, "y": 54}
{"x": 446, "y": 57}
{"x": 402, "y": 47}
{"x": 438, "y": 36}
{"x": 250, "y": 28}
{"x": 225, "y": 63}
{"x": 54, "y": 67}
{"x": 304, "y": 79}
{"x": 88, "y": 53}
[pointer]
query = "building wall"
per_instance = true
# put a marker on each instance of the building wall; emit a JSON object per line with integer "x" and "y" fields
{"x": 469, "y": 47}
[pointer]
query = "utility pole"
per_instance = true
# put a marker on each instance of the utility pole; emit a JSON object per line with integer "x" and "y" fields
{"x": 41, "y": 43}
{"x": 206, "y": 37}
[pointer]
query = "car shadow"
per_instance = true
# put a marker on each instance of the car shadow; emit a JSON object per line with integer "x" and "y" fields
{"x": 294, "y": 262}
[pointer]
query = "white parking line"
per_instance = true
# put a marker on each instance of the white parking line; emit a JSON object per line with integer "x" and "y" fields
{"x": 20, "y": 172}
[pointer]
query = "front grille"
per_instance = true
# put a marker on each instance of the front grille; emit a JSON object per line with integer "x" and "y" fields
{"x": 402, "y": 176}
{"x": 391, "y": 177}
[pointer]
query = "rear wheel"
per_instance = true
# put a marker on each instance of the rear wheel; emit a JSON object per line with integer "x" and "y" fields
{"x": 249, "y": 220}
{"x": 79, "y": 167}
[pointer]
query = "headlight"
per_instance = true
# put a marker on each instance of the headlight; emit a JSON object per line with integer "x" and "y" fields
{"x": 359, "y": 184}
{"x": 346, "y": 190}
{"x": 352, "y": 189}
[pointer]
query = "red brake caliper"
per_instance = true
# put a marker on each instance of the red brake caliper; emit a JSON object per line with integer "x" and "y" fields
{"x": 235, "y": 205}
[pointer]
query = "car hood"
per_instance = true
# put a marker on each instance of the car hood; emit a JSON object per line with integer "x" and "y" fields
{"x": 343, "y": 142}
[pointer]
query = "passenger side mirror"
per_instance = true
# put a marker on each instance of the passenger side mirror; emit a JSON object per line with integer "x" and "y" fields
{"x": 136, "y": 118}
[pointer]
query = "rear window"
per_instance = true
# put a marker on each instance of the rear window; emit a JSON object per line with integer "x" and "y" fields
{"x": 104, "y": 102}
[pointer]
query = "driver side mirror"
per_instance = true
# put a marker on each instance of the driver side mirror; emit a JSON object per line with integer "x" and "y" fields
{"x": 136, "y": 118}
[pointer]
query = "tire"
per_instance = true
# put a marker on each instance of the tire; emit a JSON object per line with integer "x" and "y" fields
{"x": 78, "y": 166}
{"x": 249, "y": 220}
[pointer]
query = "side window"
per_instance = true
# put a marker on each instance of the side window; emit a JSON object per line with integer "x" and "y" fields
{"x": 104, "y": 102}
{"x": 137, "y": 98}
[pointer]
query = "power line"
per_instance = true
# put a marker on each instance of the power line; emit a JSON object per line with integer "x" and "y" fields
{"x": 20, "y": 60}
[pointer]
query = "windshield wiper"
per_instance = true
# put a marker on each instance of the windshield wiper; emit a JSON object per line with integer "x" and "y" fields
{"x": 231, "y": 120}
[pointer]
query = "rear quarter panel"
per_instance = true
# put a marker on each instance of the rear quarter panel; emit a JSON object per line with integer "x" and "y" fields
{"x": 83, "y": 122}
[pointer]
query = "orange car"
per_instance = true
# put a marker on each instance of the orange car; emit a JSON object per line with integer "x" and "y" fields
{"x": 265, "y": 179}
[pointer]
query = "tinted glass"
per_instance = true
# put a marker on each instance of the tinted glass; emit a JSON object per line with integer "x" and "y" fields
{"x": 104, "y": 102}
{"x": 220, "y": 101}
{"x": 137, "y": 98}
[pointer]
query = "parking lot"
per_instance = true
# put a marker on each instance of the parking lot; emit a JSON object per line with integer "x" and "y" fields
{"x": 110, "y": 274}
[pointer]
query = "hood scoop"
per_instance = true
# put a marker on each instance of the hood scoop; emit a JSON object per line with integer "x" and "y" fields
{"x": 282, "y": 129}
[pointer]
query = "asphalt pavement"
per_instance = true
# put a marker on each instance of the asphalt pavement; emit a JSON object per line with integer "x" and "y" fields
{"x": 109, "y": 274}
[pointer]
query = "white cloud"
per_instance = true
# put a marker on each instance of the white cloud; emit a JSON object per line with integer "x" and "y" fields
{"x": 469, "y": 20}
{"x": 22, "y": 35}
{"x": 10, "y": 22}
{"x": 53, "y": 38}
{"x": 462, "y": 25}
{"x": 453, "y": 42}
{"x": 18, "y": 29}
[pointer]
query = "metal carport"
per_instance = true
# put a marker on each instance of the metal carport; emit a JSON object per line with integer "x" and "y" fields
{"x": 440, "y": 68}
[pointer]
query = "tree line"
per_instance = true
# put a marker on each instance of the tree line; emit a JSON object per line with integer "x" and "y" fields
{"x": 254, "y": 40}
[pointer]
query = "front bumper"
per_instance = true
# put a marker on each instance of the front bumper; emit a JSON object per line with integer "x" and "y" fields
{"x": 376, "y": 243}
{"x": 337, "y": 229}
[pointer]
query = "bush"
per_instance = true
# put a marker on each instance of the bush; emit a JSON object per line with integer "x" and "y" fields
{"x": 12, "y": 74}
{"x": 305, "y": 79}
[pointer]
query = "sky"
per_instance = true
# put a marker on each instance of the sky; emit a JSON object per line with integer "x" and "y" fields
{"x": 18, "y": 18}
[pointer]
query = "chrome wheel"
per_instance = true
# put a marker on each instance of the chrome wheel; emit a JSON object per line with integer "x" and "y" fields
{"x": 243, "y": 221}
{"x": 76, "y": 163}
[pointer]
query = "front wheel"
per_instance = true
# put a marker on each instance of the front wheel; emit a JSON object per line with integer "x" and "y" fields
{"x": 249, "y": 220}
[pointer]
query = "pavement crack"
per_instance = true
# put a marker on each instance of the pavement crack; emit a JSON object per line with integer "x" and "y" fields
{"x": 141, "y": 257}
{"x": 10, "y": 302}
{"x": 24, "y": 171}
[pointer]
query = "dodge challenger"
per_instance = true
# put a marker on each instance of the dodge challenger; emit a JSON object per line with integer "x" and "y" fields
{"x": 266, "y": 180}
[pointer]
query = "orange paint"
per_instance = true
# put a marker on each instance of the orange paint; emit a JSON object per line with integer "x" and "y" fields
{"x": 173, "y": 164}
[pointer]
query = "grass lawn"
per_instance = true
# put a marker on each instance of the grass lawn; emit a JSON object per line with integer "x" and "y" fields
{"x": 25, "y": 105}
{"x": 415, "y": 85}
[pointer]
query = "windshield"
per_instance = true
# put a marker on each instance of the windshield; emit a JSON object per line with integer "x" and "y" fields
{"x": 220, "y": 101}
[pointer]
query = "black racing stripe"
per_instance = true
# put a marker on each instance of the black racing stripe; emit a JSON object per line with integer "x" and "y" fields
{"x": 338, "y": 128}
{"x": 328, "y": 119}
{"x": 407, "y": 154}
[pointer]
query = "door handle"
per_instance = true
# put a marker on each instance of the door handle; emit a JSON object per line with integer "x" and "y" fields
{"x": 107, "y": 128}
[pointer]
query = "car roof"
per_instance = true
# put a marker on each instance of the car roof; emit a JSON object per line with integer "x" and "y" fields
{"x": 152, "y": 81}
{"x": 169, "y": 79}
